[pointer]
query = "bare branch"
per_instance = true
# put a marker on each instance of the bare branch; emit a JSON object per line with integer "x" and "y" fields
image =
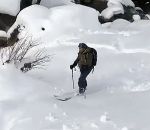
{"x": 18, "y": 53}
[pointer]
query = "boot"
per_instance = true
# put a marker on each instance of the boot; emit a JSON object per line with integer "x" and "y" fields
{"x": 81, "y": 90}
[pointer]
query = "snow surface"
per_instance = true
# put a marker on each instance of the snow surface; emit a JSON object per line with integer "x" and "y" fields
{"x": 124, "y": 2}
{"x": 117, "y": 92}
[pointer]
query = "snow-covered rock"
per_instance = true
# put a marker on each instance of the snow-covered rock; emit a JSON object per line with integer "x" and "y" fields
{"x": 124, "y": 9}
{"x": 56, "y": 22}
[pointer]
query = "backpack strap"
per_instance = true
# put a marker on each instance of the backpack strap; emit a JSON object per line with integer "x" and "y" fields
{"x": 93, "y": 70}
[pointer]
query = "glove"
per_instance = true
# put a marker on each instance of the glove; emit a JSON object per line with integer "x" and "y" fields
{"x": 71, "y": 67}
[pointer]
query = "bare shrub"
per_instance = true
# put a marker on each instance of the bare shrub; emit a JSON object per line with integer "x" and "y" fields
{"x": 23, "y": 53}
{"x": 38, "y": 61}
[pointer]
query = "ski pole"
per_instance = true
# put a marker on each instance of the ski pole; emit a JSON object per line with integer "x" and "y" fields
{"x": 72, "y": 79}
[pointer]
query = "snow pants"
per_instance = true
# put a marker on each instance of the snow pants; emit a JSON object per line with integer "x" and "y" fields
{"x": 82, "y": 82}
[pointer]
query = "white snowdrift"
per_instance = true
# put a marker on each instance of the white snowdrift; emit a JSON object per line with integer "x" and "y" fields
{"x": 11, "y": 7}
{"x": 57, "y": 21}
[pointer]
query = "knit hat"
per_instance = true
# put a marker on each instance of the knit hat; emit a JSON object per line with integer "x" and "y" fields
{"x": 82, "y": 45}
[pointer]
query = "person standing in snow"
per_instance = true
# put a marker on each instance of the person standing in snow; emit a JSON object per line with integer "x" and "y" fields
{"x": 86, "y": 60}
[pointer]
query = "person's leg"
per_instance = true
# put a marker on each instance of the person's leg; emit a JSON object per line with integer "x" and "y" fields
{"x": 82, "y": 80}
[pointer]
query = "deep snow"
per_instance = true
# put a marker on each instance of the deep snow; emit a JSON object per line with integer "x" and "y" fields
{"x": 118, "y": 90}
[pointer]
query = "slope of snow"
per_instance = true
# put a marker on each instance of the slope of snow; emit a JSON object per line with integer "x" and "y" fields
{"x": 117, "y": 92}
{"x": 124, "y": 2}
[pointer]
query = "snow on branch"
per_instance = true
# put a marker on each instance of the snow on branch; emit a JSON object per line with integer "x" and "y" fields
{"x": 38, "y": 62}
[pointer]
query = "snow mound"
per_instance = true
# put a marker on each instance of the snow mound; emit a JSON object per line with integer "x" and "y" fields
{"x": 115, "y": 7}
{"x": 53, "y": 3}
{"x": 58, "y": 21}
{"x": 11, "y": 7}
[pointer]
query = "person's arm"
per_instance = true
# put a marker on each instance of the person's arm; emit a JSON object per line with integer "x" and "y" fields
{"x": 76, "y": 61}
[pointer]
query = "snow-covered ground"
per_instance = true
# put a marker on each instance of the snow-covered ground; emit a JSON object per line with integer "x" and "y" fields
{"x": 117, "y": 92}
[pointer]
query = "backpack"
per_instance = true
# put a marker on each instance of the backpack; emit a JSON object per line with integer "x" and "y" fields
{"x": 94, "y": 59}
{"x": 88, "y": 57}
